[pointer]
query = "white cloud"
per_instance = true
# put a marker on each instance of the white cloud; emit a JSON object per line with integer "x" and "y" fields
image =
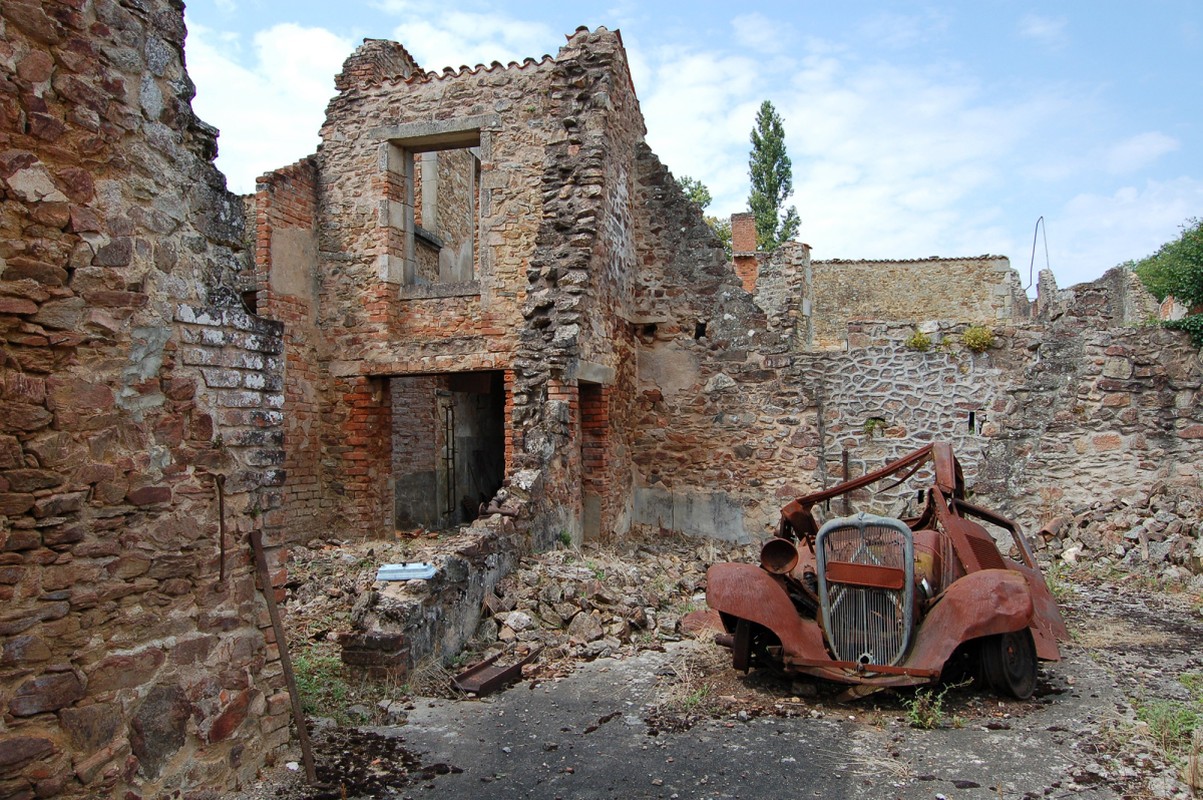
{"x": 758, "y": 32}
{"x": 699, "y": 109}
{"x": 460, "y": 38}
{"x": 1049, "y": 31}
{"x": 1138, "y": 152}
{"x": 269, "y": 111}
{"x": 1094, "y": 231}
{"x": 888, "y": 29}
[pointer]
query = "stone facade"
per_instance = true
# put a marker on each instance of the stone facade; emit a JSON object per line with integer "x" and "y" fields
{"x": 983, "y": 290}
{"x": 137, "y": 398}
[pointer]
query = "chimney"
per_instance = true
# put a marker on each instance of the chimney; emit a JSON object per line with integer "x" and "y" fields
{"x": 743, "y": 250}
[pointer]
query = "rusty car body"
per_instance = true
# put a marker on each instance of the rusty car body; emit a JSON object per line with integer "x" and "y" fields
{"x": 878, "y": 601}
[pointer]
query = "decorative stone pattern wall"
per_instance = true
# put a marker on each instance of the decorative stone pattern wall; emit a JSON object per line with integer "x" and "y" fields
{"x": 131, "y": 378}
{"x": 882, "y": 399}
{"x": 983, "y": 289}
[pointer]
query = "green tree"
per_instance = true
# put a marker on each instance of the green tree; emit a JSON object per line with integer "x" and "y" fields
{"x": 772, "y": 177}
{"x": 695, "y": 190}
{"x": 698, "y": 193}
{"x": 722, "y": 229}
{"x": 1177, "y": 268}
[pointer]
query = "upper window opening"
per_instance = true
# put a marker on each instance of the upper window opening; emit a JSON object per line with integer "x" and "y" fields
{"x": 446, "y": 203}
{"x": 431, "y": 213}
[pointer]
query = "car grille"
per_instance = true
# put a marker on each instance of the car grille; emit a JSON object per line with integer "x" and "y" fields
{"x": 866, "y": 624}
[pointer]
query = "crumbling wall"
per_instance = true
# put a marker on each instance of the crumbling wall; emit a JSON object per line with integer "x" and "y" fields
{"x": 983, "y": 290}
{"x": 374, "y": 325}
{"x": 137, "y": 398}
{"x": 554, "y": 271}
{"x": 284, "y": 211}
{"x": 1056, "y": 414}
{"x": 724, "y": 426}
{"x": 1096, "y": 407}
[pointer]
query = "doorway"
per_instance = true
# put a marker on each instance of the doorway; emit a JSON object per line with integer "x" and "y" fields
{"x": 448, "y": 447}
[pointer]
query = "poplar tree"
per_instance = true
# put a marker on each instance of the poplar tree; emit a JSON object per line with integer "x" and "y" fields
{"x": 772, "y": 181}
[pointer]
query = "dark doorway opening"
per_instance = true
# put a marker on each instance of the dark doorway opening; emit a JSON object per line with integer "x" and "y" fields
{"x": 448, "y": 447}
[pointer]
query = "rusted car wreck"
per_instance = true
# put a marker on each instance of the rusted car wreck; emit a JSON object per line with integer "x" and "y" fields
{"x": 877, "y": 601}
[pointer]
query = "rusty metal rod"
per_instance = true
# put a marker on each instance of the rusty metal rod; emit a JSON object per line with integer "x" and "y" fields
{"x": 298, "y": 716}
{"x": 221, "y": 523}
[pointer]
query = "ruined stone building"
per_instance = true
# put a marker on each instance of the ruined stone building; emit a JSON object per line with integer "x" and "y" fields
{"x": 483, "y": 290}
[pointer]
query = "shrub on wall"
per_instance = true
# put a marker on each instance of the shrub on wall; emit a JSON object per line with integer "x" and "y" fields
{"x": 978, "y": 338}
{"x": 918, "y": 341}
{"x": 1177, "y": 269}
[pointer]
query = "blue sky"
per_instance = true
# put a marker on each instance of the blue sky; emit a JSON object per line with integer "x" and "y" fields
{"x": 915, "y": 128}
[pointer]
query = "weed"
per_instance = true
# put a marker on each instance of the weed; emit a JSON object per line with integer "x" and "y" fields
{"x": 320, "y": 683}
{"x": 872, "y": 425}
{"x": 1055, "y": 578}
{"x": 925, "y": 710}
{"x": 694, "y": 698}
{"x": 1176, "y": 726}
{"x": 1171, "y": 723}
{"x": 918, "y": 341}
{"x": 565, "y": 538}
{"x": 978, "y": 338}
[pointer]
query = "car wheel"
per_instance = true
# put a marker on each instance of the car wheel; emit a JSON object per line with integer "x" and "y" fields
{"x": 1009, "y": 663}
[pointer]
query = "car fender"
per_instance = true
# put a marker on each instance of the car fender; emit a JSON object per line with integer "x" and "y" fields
{"x": 748, "y": 592}
{"x": 982, "y": 603}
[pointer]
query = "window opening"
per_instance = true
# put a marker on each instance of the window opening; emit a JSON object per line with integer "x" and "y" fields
{"x": 430, "y": 215}
{"x": 446, "y": 202}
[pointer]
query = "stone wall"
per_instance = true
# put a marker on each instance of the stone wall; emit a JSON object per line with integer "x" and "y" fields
{"x": 983, "y": 290}
{"x": 1096, "y": 406}
{"x": 137, "y": 398}
{"x": 723, "y": 428}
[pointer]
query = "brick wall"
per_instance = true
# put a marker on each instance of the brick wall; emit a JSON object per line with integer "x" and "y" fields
{"x": 285, "y": 207}
{"x": 743, "y": 248}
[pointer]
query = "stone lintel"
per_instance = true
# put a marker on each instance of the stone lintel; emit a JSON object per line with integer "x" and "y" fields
{"x": 591, "y": 372}
{"x": 429, "y": 291}
{"x": 438, "y": 134}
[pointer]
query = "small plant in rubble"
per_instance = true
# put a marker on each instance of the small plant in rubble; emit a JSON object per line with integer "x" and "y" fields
{"x": 925, "y": 710}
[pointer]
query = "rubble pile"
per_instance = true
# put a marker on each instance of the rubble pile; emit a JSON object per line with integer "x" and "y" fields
{"x": 597, "y": 602}
{"x": 1159, "y": 537}
{"x": 583, "y": 603}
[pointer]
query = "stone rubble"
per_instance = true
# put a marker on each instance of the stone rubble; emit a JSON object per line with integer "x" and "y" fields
{"x": 1160, "y": 536}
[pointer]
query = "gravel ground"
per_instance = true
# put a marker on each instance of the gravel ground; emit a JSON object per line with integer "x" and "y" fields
{"x": 1094, "y": 727}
